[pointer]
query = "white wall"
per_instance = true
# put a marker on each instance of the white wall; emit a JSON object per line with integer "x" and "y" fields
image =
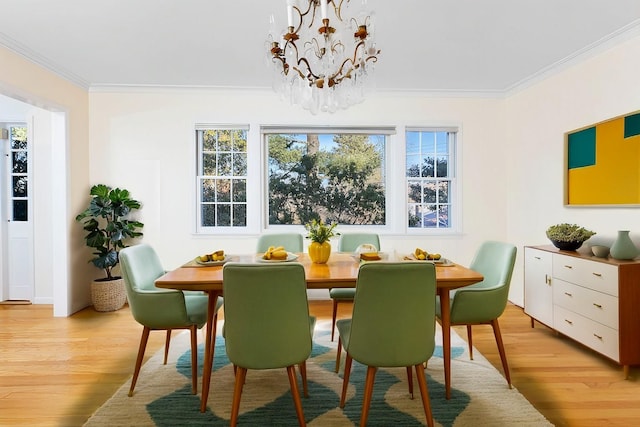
{"x": 144, "y": 141}
{"x": 23, "y": 80}
{"x": 598, "y": 89}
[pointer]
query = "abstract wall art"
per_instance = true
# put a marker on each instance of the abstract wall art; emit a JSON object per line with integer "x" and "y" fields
{"x": 603, "y": 163}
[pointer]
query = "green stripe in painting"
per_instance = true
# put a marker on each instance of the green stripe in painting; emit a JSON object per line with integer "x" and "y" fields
{"x": 632, "y": 125}
{"x": 582, "y": 148}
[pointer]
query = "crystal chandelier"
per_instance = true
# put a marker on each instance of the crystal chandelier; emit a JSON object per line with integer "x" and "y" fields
{"x": 322, "y": 62}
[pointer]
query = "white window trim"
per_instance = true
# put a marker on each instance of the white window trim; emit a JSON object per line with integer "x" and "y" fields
{"x": 456, "y": 180}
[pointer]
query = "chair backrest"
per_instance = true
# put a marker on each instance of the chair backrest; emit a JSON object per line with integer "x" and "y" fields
{"x": 150, "y": 306}
{"x": 292, "y": 242}
{"x": 350, "y": 241}
{"x": 486, "y": 300}
{"x": 495, "y": 261}
{"x": 393, "y": 321}
{"x": 266, "y": 315}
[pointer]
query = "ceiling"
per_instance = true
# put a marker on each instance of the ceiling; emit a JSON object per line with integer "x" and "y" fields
{"x": 427, "y": 45}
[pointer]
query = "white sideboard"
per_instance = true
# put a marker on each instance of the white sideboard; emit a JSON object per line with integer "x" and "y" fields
{"x": 595, "y": 301}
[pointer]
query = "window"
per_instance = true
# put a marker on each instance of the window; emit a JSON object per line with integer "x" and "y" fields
{"x": 336, "y": 176}
{"x": 19, "y": 173}
{"x": 430, "y": 175}
{"x": 222, "y": 176}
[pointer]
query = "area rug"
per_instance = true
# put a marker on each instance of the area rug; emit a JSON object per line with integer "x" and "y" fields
{"x": 479, "y": 395}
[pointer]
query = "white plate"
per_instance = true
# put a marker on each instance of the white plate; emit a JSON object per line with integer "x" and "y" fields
{"x": 382, "y": 256}
{"x": 443, "y": 262}
{"x": 290, "y": 257}
{"x": 212, "y": 263}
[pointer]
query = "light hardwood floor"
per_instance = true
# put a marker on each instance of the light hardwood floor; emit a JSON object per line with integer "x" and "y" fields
{"x": 58, "y": 371}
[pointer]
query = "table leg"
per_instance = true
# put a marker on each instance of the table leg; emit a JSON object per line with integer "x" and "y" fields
{"x": 210, "y": 343}
{"x": 445, "y": 323}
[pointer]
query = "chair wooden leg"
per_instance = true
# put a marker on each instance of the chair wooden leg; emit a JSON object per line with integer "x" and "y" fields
{"x": 333, "y": 318}
{"x": 345, "y": 380}
{"x": 424, "y": 392}
{"x": 166, "y": 345}
{"x": 293, "y": 382}
{"x": 338, "y": 353}
{"x": 470, "y": 341}
{"x": 410, "y": 381}
{"x": 503, "y": 355}
{"x": 194, "y": 359}
{"x": 368, "y": 393}
{"x": 303, "y": 374}
{"x": 237, "y": 394}
{"x": 141, "y": 349}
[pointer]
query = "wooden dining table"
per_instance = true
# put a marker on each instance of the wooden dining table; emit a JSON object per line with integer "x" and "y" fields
{"x": 341, "y": 271}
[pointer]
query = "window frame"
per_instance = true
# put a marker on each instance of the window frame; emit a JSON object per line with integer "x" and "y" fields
{"x": 387, "y": 131}
{"x": 231, "y": 229}
{"x": 455, "y": 201}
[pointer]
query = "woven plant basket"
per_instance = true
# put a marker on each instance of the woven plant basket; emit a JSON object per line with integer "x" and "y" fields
{"x": 108, "y": 295}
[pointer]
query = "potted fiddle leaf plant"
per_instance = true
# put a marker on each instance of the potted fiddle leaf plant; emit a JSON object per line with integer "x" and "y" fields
{"x": 109, "y": 228}
{"x": 320, "y": 234}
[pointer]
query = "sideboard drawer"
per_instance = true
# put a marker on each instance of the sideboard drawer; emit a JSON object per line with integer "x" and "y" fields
{"x": 598, "y": 276}
{"x": 592, "y": 334}
{"x": 599, "y": 307}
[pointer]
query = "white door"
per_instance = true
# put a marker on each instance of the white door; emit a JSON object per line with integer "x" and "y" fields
{"x": 17, "y": 215}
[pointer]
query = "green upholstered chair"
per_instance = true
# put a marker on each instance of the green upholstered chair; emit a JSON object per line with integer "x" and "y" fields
{"x": 160, "y": 309}
{"x": 292, "y": 242}
{"x": 267, "y": 323}
{"x": 482, "y": 303}
{"x": 349, "y": 242}
{"x": 393, "y": 325}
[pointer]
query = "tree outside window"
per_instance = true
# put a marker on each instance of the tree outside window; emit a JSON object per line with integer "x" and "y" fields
{"x": 333, "y": 177}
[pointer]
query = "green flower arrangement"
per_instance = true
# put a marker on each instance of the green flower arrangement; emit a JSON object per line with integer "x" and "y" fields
{"x": 320, "y": 232}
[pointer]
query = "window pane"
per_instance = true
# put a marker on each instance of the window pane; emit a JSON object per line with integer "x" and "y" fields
{"x": 209, "y": 163}
{"x": 208, "y": 190}
{"x": 240, "y": 190}
{"x": 19, "y": 162}
{"x": 208, "y": 215}
{"x": 223, "y": 190}
{"x": 209, "y": 140}
{"x": 20, "y": 186}
{"x": 334, "y": 177}
{"x": 224, "y": 164}
{"x": 20, "y": 210}
{"x": 19, "y": 138}
{"x": 239, "y": 164}
{"x": 240, "y": 215}
{"x": 223, "y": 214}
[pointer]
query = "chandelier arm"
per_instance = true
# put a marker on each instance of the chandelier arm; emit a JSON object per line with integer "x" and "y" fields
{"x": 310, "y": 71}
{"x": 337, "y": 8}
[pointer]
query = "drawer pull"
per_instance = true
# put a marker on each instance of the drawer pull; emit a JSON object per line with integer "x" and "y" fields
{"x": 598, "y": 336}
{"x": 568, "y": 321}
{"x": 536, "y": 257}
{"x": 597, "y": 305}
{"x": 597, "y": 274}
{"x": 568, "y": 266}
{"x": 568, "y": 294}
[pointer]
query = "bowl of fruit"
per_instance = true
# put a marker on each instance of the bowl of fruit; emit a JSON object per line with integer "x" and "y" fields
{"x": 214, "y": 258}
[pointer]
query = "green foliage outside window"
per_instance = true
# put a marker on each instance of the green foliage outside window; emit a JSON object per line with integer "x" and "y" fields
{"x": 334, "y": 178}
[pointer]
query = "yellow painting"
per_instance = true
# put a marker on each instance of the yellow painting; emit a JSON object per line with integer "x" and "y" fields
{"x": 603, "y": 163}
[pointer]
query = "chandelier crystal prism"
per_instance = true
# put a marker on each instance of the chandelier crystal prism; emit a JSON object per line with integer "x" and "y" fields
{"x": 325, "y": 59}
